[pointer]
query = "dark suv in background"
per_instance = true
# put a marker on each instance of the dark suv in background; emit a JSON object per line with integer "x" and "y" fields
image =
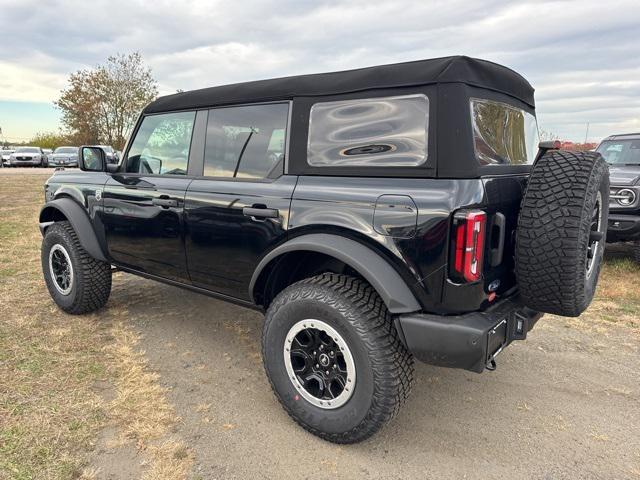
{"x": 622, "y": 153}
{"x": 374, "y": 215}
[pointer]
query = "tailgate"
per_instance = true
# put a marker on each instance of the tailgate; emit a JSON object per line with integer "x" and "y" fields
{"x": 503, "y": 196}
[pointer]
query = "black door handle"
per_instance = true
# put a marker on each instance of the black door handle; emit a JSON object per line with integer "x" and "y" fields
{"x": 497, "y": 239}
{"x": 165, "y": 202}
{"x": 256, "y": 212}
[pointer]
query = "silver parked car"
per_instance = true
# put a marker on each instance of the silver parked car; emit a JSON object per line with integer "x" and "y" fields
{"x": 64, "y": 157}
{"x": 111, "y": 155}
{"x": 28, "y": 156}
{"x": 4, "y": 157}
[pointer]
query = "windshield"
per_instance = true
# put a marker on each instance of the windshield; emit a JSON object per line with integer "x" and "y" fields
{"x": 503, "y": 134}
{"x": 620, "y": 152}
{"x": 27, "y": 150}
{"x": 66, "y": 150}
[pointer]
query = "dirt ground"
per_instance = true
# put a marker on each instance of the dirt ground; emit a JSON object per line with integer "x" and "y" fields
{"x": 565, "y": 404}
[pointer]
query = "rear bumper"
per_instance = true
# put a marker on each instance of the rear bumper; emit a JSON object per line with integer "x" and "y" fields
{"x": 469, "y": 341}
{"x": 623, "y": 227}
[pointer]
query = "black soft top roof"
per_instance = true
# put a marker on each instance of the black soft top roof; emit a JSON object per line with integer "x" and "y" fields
{"x": 458, "y": 69}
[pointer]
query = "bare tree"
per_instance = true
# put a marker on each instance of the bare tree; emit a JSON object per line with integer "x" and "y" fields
{"x": 101, "y": 105}
{"x": 546, "y": 136}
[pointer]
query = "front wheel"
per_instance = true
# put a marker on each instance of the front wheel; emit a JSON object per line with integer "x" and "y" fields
{"x": 77, "y": 282}
{"x": 334, "y": 359}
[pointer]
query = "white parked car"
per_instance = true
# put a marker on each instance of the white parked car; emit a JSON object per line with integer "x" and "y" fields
{"x": 28, "y": 156}
{"x": 4, "y": 157}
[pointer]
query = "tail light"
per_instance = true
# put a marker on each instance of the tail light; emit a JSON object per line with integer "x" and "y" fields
{"x": 469, "y": 229}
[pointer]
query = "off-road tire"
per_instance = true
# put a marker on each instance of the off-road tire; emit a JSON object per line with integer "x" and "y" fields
{"x": 91, "y": 284}
{"x": 384, "y": 366}
{"x": 553, "y": 231}
{"x": 636, "y": 250}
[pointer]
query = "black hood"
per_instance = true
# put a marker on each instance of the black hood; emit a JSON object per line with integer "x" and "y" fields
{"x": 624, "y": 175}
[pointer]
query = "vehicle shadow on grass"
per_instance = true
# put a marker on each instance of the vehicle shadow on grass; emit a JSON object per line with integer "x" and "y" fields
{"x": 563, "y": 402}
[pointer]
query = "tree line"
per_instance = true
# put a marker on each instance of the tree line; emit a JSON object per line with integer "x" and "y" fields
{"x": 101, "y": 105}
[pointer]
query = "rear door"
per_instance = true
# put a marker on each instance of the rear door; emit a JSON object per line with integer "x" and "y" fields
{"x": 504, "y": 136}
{"x": 239, "y": 208}
{"x": 144, "y": 205}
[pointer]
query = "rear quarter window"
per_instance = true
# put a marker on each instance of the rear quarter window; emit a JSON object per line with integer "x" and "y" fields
{"x": 503, "y": 134}
{"x": 373, "y": 132}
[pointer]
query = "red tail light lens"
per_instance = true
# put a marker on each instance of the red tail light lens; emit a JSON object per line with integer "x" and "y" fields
{"x": 468, "y": 248}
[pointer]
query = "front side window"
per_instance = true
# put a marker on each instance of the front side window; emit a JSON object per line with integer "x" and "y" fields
{"x": 620, "y": 152}
{"x": 246, "y": 142}
{"x": 503, "y": 134}
{"x": 161, "y": 145}
{"x": 372, "y": 132}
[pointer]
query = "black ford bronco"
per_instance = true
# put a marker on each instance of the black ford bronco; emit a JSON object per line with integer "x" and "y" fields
{"x": 375, "y": 215}
{"x": 622, "y": 153}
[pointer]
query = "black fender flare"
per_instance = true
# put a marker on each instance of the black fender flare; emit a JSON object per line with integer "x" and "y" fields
{"x": 374, "y": 268}
{"x": 79, "y": 219}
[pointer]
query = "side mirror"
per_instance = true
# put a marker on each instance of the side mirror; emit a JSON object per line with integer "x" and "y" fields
{"x": 92, "y": 159}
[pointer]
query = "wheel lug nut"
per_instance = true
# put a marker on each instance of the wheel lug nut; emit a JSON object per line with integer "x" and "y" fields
{"x": 327, "y": 372}
{"x": 317, "y": 366}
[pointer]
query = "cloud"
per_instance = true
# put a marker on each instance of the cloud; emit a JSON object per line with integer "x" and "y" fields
{"x": 581, "y": 56}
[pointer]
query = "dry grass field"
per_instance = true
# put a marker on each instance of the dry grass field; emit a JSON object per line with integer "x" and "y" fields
{"x": 142, "y": 389}
{"x": 63, "y": 379}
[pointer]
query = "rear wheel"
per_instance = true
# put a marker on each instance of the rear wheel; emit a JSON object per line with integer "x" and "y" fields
{"x": 561, "y": 232}
{"x": 77, "y": 282}
{"x": 334, "y": 359}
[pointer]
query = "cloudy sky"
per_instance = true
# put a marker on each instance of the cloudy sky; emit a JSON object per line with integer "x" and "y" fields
{"x": 582, "y": 57}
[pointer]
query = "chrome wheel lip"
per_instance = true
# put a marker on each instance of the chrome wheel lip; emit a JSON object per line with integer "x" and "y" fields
{"x": 591, "y": 262}
{"x": 346, "y": 394}
{"x": 54, "y": 275}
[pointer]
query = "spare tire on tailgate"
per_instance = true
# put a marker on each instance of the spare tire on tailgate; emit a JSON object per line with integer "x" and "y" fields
{"x": 561, "y": 231}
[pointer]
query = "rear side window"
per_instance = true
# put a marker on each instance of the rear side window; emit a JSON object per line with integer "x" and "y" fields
{"x": 503, "y": 134}
{"x": 625, "y": 152}
{"x": 373, "y": 132}
{"x": 161, "y": 145}
{"x": 246, "y": 142}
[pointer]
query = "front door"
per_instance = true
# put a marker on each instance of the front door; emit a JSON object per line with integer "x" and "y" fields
{"x": 239, "y": 208}
{"x": 144, "y": 204}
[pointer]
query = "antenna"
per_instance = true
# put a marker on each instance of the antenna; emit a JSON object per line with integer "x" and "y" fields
{"x": 586, "y": 135}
